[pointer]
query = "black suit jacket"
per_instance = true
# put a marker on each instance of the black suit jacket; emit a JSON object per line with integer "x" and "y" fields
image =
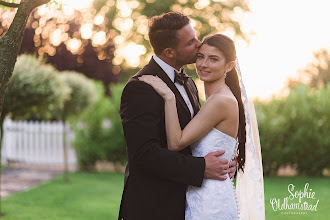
{"x": 156, "y": 186}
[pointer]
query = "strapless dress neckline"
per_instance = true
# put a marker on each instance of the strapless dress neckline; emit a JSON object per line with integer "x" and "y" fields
{"x": 225, "y": 134}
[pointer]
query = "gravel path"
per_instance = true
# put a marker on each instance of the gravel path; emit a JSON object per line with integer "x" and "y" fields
{"x": 22, "y": 177}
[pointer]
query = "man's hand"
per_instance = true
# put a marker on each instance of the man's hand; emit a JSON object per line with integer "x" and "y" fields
{"x": 232, "y": 168}
{"x": 216, "y": 168}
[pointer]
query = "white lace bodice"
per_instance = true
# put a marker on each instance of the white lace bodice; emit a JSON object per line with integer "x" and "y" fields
{"x": 215, "y": 199}
{"x": 213, "y": 141}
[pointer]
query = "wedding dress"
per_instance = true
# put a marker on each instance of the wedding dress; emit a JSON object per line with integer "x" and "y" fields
{"x": 214, "y": 200}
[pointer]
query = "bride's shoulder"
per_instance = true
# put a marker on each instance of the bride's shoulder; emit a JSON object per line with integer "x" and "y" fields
{"x": 220, "y": 106}
{"x": 223, "y": 100}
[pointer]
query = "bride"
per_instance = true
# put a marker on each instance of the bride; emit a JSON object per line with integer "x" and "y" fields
{"x": 221, "y": 124}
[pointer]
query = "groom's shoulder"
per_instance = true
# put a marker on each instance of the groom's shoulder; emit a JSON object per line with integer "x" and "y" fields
{"x": 135, "y": 85}
{"x": 146, "y": 70}
{"x": 135, "y": 78}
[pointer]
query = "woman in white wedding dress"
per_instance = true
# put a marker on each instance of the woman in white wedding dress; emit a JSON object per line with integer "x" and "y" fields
{"x": 219, "y": 125}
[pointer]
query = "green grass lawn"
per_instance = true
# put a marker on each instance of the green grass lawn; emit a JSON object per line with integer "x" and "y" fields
{"x": 90, "y": 196}
{"x": 87, "y": 196}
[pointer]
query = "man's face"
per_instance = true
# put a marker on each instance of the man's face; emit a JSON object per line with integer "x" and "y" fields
{"x": 187, "y": 48}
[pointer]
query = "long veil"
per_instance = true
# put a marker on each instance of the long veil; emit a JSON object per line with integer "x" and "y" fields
{"x": 249, "y": 185}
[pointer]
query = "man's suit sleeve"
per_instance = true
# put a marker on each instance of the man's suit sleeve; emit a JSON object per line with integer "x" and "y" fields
{"x": 141, "y": 111}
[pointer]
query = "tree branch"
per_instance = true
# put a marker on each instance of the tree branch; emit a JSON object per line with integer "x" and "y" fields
{"x": 37, "y": 3}
{"x": 8, "y": 4}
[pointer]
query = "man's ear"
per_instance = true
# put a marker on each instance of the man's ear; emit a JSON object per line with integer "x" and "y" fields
{"x": 169, "y": 52}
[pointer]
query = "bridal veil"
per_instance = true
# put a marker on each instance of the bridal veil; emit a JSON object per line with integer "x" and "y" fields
{"x": 249, "y": 184}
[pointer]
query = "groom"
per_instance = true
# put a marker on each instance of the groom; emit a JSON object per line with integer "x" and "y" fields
{"x": 156, "y": 186}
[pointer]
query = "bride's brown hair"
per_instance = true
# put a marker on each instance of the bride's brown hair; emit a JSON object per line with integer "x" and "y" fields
{"x": 227, "y": 47}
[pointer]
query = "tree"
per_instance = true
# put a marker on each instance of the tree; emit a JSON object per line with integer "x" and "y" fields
{"x": 99, "y": 134}
{"x": 69, "y": 40}
{"x": 128, "y": 20}
{"x": 11, "y": 41}
{"x": 112, "y": 35}
{"x": 294, "y": 130}
{"x": 34, "y": 92}
{"x": 10, "y": 44}
{"x": 82, "y": 96}
{"x": 316, "y": 73}
{"x": 38, "y": 91}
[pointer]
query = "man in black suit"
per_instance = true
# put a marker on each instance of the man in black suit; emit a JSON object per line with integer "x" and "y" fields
{"x": 156, "y": 185}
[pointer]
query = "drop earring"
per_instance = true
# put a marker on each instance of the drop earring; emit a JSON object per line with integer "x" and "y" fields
{"x": 226, "y": 74}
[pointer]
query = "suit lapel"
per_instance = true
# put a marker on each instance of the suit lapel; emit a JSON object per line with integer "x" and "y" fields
{"x": 161, "y": 74}
{"x": 192, "y": 91}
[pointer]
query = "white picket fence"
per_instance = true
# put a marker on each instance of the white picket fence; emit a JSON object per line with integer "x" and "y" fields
{"x": 36, "y": 142}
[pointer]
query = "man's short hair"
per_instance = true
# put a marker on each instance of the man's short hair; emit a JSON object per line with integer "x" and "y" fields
{"x": 163, "y": 30}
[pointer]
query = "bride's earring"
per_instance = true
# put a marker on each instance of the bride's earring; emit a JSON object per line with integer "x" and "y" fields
{"x": 226, "y": 74}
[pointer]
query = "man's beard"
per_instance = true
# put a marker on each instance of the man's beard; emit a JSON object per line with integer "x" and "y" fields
{"x": 183, "y": 62}
{"x": 193, "y": 60}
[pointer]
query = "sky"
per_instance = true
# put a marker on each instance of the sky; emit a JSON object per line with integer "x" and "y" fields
{"x": 287, "y": 32}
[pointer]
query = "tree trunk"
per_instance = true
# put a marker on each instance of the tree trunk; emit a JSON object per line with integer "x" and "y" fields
{"x": 1, "y": 138}
{"x": 9, "y": 48}
{"x": 65, "y": 150}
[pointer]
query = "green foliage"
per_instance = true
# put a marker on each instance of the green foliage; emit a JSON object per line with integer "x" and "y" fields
{"x": 316, "y": 73}
{"x": 117, "y": 145}
{"x": 99, "y": 134}
{"x": 273, "y": 127}
{"x": 34, "y": 90}
{"x": 129, "y": 19}
{"x": 295, "y": 131}
{"x": 82, "y": 94}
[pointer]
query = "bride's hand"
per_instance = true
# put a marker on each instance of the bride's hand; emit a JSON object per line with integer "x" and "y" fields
{"x": 159, "y": 85}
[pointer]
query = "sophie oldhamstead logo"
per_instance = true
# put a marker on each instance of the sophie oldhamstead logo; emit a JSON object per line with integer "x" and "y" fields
{"x": 297, "y": 202}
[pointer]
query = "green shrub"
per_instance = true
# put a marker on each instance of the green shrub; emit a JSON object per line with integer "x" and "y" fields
{"x": 310, "y": 117}
{"x": 99, "y": 135}
{"x": 117, "y": 147}
{"x": 295, "y": 131}
{"x": 82, "y": 93}
{"x": 34, "y": 90}
{"x": 273, "y": 128}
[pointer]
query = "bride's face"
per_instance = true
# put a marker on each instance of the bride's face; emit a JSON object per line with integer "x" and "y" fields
{"x": 211, "y": 63}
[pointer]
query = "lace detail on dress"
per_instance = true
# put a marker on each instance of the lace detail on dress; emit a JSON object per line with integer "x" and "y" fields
{"x": 215, "y": 199}
{"x": 234, "y": 189}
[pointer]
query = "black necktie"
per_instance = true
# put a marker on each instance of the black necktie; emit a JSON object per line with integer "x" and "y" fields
{"x": 180, "y": 77}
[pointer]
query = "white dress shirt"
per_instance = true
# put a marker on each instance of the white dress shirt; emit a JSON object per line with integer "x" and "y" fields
{"x": 170, "y": 72}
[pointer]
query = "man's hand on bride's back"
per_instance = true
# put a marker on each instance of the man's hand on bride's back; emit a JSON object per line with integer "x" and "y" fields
{"x": 232, "y": 168}
{"x": 216, "y": 168}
